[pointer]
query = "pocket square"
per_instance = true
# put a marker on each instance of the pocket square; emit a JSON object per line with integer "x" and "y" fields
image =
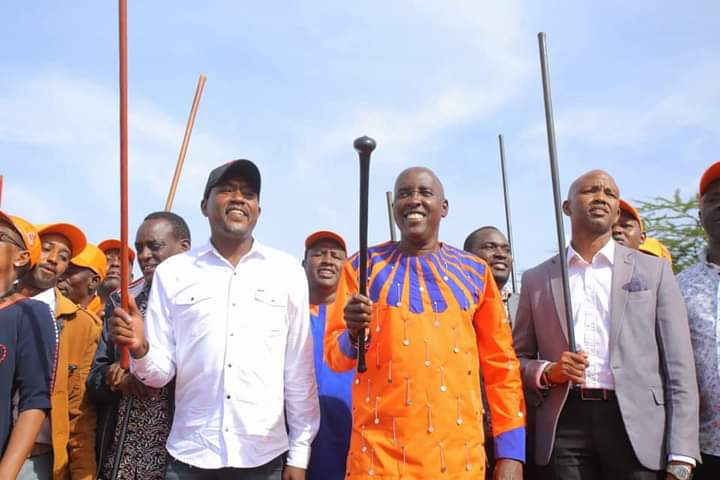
{"x": 635, "y": 285}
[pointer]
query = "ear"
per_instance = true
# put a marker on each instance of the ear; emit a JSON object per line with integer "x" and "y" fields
{"x": 303, "y": 263}
{"x": 94, "y": 284}
{"x": 566, "y": 208}
{"x": 445, "y": 208}
{"x": 259, "y": 210}
{"x": 185, "y": 245}
{"x": 21, "y": 259}
{"x": 203, "y": 207}
{"x": 643, "y": 236}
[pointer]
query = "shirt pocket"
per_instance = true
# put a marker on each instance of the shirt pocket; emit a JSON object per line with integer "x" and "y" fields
{"x": 193, "y": 310}
{"x": 269, "y": 312}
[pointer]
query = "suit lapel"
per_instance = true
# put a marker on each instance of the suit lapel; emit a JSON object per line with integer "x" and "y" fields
{"x": 557, "y": 293}
{"x": 622, "y": 272}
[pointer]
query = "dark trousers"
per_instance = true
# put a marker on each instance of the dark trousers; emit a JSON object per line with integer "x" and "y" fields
{"x": 177, "y": 470}
{"x": 710, "y": 468}
{"x": 591, "y": 444}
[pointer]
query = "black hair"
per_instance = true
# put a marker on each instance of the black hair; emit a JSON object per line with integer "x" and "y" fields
{"x": 467, "y": 246}
{"x": 179, "y": 226}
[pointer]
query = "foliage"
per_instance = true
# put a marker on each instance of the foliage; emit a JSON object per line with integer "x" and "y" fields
{"x": 675, "y": 222}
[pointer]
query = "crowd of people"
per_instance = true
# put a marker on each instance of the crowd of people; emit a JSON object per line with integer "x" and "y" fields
{"x": 244, "y": 361}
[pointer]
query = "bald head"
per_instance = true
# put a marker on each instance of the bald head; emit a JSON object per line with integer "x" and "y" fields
{"x": 414, "y": 171}
{"x": 593, "y": 204}
{"x": 591, "y": 175}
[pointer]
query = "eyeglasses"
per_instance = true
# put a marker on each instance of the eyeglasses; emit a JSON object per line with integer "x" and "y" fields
{"x": 4, "y": 237}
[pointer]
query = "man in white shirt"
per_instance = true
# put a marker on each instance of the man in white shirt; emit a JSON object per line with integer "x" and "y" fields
{"x": 230, "y": 321}
{"x": 625, "y": 405}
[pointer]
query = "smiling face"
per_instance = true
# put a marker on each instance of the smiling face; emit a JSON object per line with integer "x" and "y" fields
{"x": 54, "y": 260}
{"x": 156, "y": 241}
{"x": 419, "y": 206}
{"x": 593, "y": 203}
{"x": 232, "y": 208}
{"x": 323, "y": 264}
{"x": 492, "y": 246}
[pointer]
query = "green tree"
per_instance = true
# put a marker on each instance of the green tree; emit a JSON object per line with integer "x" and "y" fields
{"x": 675, "y": 222}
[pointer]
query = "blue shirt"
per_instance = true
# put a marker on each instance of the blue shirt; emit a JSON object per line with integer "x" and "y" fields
{"x": 330, "y": 447}
{"x": 27, "y": 360}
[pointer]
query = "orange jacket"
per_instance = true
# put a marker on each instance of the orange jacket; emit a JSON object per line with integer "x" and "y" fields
{"x": 72, "y": 416}
{"x": 437, "y": 320}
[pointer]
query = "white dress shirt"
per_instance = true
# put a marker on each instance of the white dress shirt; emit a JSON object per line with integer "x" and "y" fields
{"x": 238, "y": 341}
{"x": 590, "y": 285}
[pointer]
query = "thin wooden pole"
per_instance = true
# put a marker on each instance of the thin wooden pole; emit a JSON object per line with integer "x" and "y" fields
{"x": 124, "y": 273}
{"x": 185, "y": 142}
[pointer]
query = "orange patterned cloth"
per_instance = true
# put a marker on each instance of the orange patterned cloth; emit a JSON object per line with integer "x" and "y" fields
{"x": 417, "y": 411}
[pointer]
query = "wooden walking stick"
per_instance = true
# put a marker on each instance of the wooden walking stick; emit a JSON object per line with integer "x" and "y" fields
{"x": 185, "y": 142}
{"x": 124, "y": 273}
{"x": 364, "y": 146}
{"x": 508, "y": 223}
{"x": 552, "y": 150}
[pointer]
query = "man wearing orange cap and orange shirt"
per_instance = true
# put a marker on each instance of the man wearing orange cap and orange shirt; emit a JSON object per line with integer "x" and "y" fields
{"x": 82, "y": 279}
{"x": 65, "y": 447}
{"x": 28, "y": 347}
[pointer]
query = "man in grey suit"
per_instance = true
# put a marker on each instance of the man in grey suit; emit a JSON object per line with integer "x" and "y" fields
{"x": 625, "y": 406}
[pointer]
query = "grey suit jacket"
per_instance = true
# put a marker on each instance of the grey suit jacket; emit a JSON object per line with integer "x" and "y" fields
{"x": 650, "y": 355}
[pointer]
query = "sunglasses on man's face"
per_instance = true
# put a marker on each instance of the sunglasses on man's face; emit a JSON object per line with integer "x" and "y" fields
{"x": 4, "y": 237}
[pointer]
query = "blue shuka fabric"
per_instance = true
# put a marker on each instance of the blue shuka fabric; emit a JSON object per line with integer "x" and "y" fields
{"x": 330, "y": 447}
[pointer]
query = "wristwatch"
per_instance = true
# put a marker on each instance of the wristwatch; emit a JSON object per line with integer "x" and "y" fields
{"x": 679, "y": 471}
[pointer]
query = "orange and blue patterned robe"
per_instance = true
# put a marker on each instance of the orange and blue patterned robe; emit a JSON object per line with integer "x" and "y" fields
{"x": 417, "y": 412}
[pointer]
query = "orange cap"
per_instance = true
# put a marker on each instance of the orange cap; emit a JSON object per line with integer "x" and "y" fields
{"x": 74, "y": 235}
{"x": 625, "y": 206}
{"x": 324, "y": 234}
{"x": 113, "y": 244}
{"x": 29, "y": 235}
{"x": 709, "y": 176}
{"x": 653, "y": 246}
{"x": 93, "y": 258}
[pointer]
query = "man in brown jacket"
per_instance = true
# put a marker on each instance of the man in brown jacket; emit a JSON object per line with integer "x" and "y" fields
{"x": 65, "y": 448}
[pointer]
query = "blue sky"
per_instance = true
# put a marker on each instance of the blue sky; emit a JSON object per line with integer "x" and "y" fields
{"x": 291, "y": 84}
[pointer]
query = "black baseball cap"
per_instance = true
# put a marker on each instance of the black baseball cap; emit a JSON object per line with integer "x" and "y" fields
{"x": 244, "y": 168}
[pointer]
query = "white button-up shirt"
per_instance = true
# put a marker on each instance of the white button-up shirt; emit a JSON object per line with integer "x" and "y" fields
{"x": 590, "y": 285}
{"x": 238, "y": 342}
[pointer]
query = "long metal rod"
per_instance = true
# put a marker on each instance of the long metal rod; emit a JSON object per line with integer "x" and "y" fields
{"x": 185, "y": 142}
{"x": 508, "y": 223}
{"x": 389, "y": 199}
{"x": 552, "y": 150}
{"x": 124, "y": 273}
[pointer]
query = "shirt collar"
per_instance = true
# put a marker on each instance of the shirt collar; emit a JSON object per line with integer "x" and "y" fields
{"x": 257, "y": 249}
{"x": 607, "y": 252}
{"x": 46, "y": 296}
